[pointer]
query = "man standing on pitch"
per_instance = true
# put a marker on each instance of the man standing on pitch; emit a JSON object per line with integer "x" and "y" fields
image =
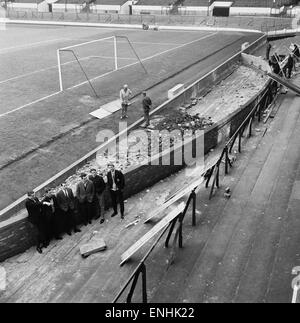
{"x": 125, "y": 95}
{"x": 116, "y": 184}
{"x": 146, "y": 106}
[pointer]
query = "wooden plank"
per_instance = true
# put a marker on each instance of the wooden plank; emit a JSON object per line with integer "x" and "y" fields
{"x": 182, "y": 192}
{"x": 262, "y": 66}
{"x": 94, "y": 246}
{"x": 285, "y": 83}
{"x": 208, "y": 165}
{"x": 100, "y": 113}
{"x": 112, "y": 106}
{"x": 150, "y": 234}
{"x": 177, "y": 197}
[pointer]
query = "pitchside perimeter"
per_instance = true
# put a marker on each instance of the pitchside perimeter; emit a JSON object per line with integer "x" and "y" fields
{"x": 44, "y": 130}
{"x": 29, "y": 68}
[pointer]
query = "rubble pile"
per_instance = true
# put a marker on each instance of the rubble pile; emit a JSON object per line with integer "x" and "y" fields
{"x": 199, "y": 114}
{"x": 184, "y": 122}
{"x": 230, "y": 94}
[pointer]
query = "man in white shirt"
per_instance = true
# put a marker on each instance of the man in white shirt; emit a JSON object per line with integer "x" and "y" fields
{"x": 125, "y": 95}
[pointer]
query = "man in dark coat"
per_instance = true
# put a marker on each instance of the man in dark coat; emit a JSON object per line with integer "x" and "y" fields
{"x": 268, "y": 50}
{"x": 274, "y": 63}
{"x": 85, "y": 195}
{"x": 288, "y": 68}
{"x": 49, "y": 208}
{"x": 34, "y": 209}
{"x": 146, "y": 107}
{"x": 116, "y": 184}
{"x": 66, "y": 206}
{"x": 98, "y": 201}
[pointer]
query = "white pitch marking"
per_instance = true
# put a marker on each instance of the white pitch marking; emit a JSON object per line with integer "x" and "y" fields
{"x": 104, "y": 57}
{"x": 31, "y": 44}
{"x": 143, "y": 60}
{"x": 28, "y": 104}
{"x": 73, "y": 87}
{"x": 55, "y": 66}
{"x": 132, "y": 42}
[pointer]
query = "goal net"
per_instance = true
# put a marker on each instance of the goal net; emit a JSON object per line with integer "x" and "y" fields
{"x": 88, "y": 62}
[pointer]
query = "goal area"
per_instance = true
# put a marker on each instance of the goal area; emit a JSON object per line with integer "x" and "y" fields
{"x": 86, "y": 62}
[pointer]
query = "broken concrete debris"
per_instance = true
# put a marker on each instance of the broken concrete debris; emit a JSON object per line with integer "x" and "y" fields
{"x": 96, "y": 244}
{"x": 227, "y": 193}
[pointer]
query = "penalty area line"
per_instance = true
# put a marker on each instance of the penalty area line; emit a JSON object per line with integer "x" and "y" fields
{"x": 14, "y": 48}
{"x": 17, "y": 77}
{"x": 29, "y": 104}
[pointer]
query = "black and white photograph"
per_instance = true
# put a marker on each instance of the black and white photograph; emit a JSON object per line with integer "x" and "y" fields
{"x": 149, "y": 154}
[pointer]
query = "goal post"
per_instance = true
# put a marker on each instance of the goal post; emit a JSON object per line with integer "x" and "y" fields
{"x": 94, "y": 59}
{"x": 71, "y": 49}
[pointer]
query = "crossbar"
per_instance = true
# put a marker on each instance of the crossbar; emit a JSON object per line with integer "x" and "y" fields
{"x": 88, "y": 42}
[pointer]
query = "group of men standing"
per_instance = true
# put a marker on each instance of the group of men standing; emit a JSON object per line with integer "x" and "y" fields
{"x": 57, "y": 213}
{"x": 285, "y": 67}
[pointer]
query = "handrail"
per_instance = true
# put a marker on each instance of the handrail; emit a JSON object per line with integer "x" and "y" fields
{"x": 178, "y": 237}
{"x": 138, "y": 268}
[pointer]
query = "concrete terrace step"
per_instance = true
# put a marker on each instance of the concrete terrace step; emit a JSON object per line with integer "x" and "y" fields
{"x": 252, "y": 245}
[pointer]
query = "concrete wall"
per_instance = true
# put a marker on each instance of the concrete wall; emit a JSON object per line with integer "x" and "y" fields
{"x": 22, "y": 6}
{"x": 15, "y": 231}
{"x": 60, "y": 7}
{"x": 249, "y": 11}
{"x": 136, "y": 10}
{"x": 43, "y": 6}
{"x": 124, "y": 10}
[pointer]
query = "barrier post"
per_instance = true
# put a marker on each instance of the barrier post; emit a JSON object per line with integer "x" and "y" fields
{"x": 141, "y": 271}
{"x": 170, "y": 232}
{"x": 194, "y": 209}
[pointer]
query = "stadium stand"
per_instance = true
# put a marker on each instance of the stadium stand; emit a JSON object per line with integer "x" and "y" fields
{"x": 200, "y": 7}
{"x": 26, "y": 1}
{"x": 192, "y": 3}
{"x": 100, "y": 2}
{"x": 236, "y": 3}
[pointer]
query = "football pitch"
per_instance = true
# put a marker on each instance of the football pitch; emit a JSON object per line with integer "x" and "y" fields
{"x": 29, "y": 69}
{"x": 43, "y": 129}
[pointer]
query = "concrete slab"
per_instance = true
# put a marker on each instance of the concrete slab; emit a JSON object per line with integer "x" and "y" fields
{"x": 100, "y": 113}
{"x": 112, "y": 106}
{"x": 96, "y": 244}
